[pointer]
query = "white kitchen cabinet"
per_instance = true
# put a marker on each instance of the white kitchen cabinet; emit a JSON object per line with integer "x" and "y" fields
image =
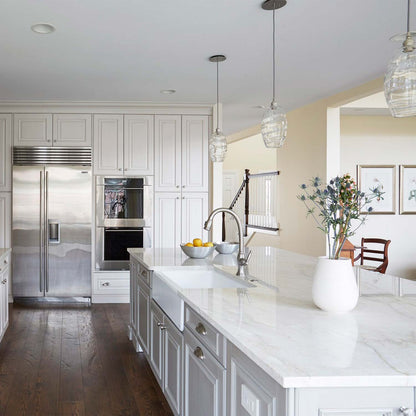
{"x": 204, "y": 380}
{"x": 111, "y": 286}
{"x": 5, "y": 152}
{"x": 4, "y": 295}
{"x": 181, "y": 148}
{"x": 194, "y": 153}
{"x": 138, "y": 145}
{"x": 354, "y": 401}
{"x": 133, "y": 298}
{"x": 167, "y": 219}
{"x": 143, "y": 313}
{"x": 156, "y": 342}
{"x": 71, "y": 129}
{"x": 5, "y": 219}
{"x": 32, "y": 130}
{"x": 168, "y": 153}
{"x": 250, "y": 390}
{"x": 179, "y": 218}
{"x": 108, "y": 144}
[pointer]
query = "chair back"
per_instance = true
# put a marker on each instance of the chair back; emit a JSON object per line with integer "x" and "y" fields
{"x": 375, "y": 249}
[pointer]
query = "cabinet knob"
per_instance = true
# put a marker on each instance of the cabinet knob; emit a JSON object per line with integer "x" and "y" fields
{"x": 105, "y": 284}
{"x": 200, "y": 328}
{"x": 406, "y": 411}
{"x": 177, "y": 197}
{"x": 199, "y": 353}
{"x": 183, "y": 186}
{"x": 125, "y": 169}
{"x": 159, "y": 324}
{"x": 177, "y": 186}
{"x": 183, "y": 197}
{"x": 119, "y": 169}
{"x": 5, "y": 261}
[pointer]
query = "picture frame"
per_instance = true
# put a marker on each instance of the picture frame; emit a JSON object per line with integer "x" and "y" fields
{"x": 407, "y": 189}
{"x": 382, "y": 177}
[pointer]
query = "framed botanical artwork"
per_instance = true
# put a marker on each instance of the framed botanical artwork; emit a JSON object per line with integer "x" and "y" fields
{"x": 407, "y": 199}
{"x": 381, "y": 178}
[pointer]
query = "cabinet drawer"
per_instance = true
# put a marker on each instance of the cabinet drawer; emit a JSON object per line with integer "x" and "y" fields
{"x": 353, "y": 401}
{"x": 4, "y": 264}
{"x": 111, "y": 284}
{"x": 206, "y": 334}
{"x": 144, "y": 274}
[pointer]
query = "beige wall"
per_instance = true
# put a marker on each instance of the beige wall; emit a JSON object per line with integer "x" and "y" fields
{"x": 376, "y": 140}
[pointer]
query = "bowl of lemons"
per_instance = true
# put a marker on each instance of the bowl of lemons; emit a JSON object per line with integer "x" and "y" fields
{"x": 198, "y": 249}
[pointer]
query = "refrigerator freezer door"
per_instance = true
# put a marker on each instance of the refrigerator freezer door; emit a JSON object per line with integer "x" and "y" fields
{"x": 69, "y": 206}
{"x": 28, "y": 231}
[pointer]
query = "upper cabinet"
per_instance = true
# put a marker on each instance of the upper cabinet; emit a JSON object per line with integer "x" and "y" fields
{"x": 72, "y": 130}
{"x": 5, "y": 152}
{"x": 181, "y": 148}
{"x": 33, "y": 129}
{"x": 123, "y": 145}
{"x": 52, "y": 130}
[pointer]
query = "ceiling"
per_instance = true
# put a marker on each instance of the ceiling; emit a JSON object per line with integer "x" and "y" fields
{"x": 129, "y": 50}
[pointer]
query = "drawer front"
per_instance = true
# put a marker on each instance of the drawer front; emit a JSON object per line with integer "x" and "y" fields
{"x": 106, "y": 285}
{"x": 354, "y": 401}
{"x": 206, "y": 334}
{"x": 4, "y": 264}
{"x": 144, "y": 274}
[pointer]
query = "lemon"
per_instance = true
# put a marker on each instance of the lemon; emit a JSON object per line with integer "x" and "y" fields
{"x": 208, "y": 244}
{"x": 189, "y": 245}
{"x": 197, "y": 242}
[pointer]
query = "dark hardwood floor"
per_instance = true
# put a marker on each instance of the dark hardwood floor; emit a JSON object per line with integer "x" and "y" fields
{"x": 74, "y": 360}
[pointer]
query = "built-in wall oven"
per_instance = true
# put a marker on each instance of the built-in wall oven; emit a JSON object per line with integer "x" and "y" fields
{"x": 123, "y": 219}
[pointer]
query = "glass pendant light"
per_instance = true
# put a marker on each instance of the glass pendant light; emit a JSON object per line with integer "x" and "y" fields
{"x": 400, "y": 78}
{"x": 217, "y": 142}
{"x": 274, "y": 123}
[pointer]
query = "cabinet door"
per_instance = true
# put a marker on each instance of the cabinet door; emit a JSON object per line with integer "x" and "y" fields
{"x": 168, "y": 153}
{"x": 143, "y": 310}
{"x": 5, "y": 152}
{"x": 138, "y": 145}
{"x": 167, "y": 219}
{"x": 156, "y": 342}
{"x": 133, "y": 295}
{"x": 204, "y": 380}
{"x": 4, "y": 300}
{"x": 172, "y": 380}
{"x": 33, "y": 129}
{"x": 353, "y": 401}
{"x": 5, "y": 219}
{"x": 72, "y": 130}
{"x": 195, "y": 153}
{"x": 194, "y": 215}
{"x": 108, "y": 144}
{"x": 250, "y": 390}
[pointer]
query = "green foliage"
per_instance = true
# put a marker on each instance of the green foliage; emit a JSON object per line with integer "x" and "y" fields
{"x": 334, "y": 206}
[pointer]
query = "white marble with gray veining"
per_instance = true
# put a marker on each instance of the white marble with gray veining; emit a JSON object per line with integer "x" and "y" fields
{"x": 277, "y": 325}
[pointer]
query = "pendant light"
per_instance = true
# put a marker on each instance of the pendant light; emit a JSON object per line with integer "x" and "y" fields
{"x": 400, "y": 78}
{"x": 274, "y": 123}
{"x": 217, "y": 141}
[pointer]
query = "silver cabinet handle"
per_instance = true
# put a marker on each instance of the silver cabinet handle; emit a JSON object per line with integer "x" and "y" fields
{"x": 406, "y": 411}
{"x": 177, "y": 197}
{"x": 200, "y": 328}
{"x": 161, "y": 326}
{"x": 183, "y": 186}
{"x": 144, "y": 273}
{"x": 183, "y": 197}
{"x": 199, "y": 353}
{"x": 119, "y": 169}
{"x": 5, "y": 261}
{"x": 105, "y": 284}
{"x": 5, "y": 281}
{"x": 177, "y": 186}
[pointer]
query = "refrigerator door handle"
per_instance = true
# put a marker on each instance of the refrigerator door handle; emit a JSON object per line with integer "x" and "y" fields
{"x": 41, "y": 244}
{"x": 46, "y": 235}
{"x": 54, "y": 232}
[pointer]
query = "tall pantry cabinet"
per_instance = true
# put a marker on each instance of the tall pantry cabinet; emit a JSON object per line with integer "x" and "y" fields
{"x": 181, "y": 178}
{"x": 5, "y": 179}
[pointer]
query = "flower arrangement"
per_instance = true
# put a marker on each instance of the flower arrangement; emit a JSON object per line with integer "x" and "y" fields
{"x": 334, "y": 207}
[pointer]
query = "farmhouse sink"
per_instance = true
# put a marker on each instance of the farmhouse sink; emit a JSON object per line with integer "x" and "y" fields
{"x": 166, "y": 283}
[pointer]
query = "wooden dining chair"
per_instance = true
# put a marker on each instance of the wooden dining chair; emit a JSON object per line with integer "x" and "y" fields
{"x": 374, "y": 250}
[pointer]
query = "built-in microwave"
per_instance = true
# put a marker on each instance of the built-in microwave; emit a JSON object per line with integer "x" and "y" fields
{"x": 123, "y": 219}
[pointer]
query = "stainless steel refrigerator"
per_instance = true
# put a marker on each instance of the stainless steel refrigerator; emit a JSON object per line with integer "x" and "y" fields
{"x": 51, "y": 230}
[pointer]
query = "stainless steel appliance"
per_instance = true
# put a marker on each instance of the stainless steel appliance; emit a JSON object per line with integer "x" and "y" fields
{"x": 52, "y": 222}
{"x": 123, "y": 219}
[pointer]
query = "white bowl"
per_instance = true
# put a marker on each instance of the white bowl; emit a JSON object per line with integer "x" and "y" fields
{"x": 197, "y": 252}
{"x": 226, "y": 247}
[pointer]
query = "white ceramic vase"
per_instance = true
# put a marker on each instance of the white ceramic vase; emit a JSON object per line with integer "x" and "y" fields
{"x": 334, "y": 286}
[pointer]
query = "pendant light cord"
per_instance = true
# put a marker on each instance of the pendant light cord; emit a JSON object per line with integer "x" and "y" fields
{"x": 218, "y": 96}
{"x": 274, "y": 55}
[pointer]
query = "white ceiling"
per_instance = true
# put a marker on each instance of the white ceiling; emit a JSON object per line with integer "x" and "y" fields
{"x": 131, "y": 49}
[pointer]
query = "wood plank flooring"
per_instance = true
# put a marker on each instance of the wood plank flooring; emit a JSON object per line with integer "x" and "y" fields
{"x": 64, "y": 360}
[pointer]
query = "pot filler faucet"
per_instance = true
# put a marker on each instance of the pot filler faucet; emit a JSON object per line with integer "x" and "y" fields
{"x": 242, "y": 259}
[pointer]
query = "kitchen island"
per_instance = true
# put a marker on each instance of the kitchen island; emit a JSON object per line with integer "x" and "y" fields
{"x": 319, "y": 361}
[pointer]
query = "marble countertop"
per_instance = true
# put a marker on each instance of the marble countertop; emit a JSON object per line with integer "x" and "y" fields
{"x": 277, "y": 325}
{"x": 4, "y": 252}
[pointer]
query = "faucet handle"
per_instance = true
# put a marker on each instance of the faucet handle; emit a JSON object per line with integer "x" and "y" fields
{"x": 247, "y": 258}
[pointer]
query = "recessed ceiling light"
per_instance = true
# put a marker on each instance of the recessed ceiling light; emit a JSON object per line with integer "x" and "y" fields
{"x": 43, "y": 28}
{"x": 167, "y": 92}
